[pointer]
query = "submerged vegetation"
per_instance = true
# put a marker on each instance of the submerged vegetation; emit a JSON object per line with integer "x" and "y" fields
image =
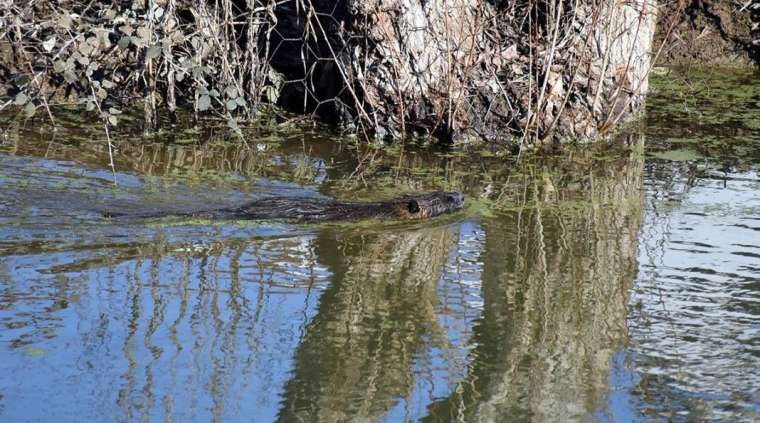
{"x": 720, "y": 103}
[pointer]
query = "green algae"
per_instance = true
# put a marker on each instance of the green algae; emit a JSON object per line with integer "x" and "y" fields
{"x": 34, "y": 351}
{"x": 681, "y": 155}
{"x": 713, "y": 109}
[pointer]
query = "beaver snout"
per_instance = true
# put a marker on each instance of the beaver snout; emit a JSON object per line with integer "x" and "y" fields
{"x": 431, "y": 204}
{"x": 456, "y": 198}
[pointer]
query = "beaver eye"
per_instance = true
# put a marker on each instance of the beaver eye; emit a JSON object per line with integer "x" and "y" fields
{"x": 413, "y": 206}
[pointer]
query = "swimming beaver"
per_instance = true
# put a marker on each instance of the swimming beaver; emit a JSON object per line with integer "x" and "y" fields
{"x": 306, "y": 209}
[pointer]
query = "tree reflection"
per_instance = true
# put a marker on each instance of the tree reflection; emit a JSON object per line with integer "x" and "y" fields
{"x": 324, "y": 323}
{"x": 355, "y": 359}
{"x": 557, "y": 273}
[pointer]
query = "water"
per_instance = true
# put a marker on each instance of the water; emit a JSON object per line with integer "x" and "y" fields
{"x": 611, "y": 283}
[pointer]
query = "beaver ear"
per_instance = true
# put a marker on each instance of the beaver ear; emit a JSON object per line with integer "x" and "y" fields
{"x": 413, "y": 206}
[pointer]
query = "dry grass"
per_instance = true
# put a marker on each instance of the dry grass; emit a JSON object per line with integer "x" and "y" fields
{"x": 530, "y": 71}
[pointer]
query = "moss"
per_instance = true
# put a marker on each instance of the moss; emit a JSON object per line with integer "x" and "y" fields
{"x": 713, "y": 110}
{"x": 681, "y": 155}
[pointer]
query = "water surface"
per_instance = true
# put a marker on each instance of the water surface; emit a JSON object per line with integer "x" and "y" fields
{"x": 610, "y": 283}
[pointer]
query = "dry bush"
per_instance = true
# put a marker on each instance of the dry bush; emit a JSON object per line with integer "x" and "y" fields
{"x": 532, "y": 71}
{"x": 526, "y": 70}
{"x": 108, "y": 54}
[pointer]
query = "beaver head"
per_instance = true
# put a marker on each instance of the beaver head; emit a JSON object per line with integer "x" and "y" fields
{"x": 431, "y": 204}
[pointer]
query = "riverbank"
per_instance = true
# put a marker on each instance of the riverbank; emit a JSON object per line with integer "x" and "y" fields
{"x": 715, "y": 32}
{"x": 482, "y": 80}
{"x": 502, "y": 72}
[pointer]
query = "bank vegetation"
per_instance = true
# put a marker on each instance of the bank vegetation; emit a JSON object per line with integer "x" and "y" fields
{"x": 520, "y": 71}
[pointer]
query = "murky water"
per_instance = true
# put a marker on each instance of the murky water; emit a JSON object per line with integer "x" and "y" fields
{"x": 606, "y": 284}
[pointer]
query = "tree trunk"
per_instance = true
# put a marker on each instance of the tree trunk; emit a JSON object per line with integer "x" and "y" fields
{"x": 500, "y": 70}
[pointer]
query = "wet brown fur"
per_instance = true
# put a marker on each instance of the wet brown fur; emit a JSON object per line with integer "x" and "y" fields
{"x": 306, "y": 209}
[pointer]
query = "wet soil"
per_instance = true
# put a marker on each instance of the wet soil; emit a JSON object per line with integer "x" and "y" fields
{"x": 708, "y": 31}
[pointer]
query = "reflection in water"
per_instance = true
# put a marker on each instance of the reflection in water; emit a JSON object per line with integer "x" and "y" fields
{"x": 206, "y": 159}
{"x": 547, "y": 299}
{"x": 555, "y": 288}
{"x": 696, "y": 321}
{"x": 175, "y": 336}
{"x": 527, "y": 311}
{"x": 356, "y": 358}
{"x": 495, "y": 317}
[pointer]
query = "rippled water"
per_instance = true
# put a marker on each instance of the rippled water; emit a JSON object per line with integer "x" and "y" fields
{"x": 696, "y": 314}
{"x": 607, "y": 284}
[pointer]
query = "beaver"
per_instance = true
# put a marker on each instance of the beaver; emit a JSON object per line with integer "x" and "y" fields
{"x": 305, "y": 209}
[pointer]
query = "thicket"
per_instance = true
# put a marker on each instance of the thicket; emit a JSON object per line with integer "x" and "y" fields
{"x": 532, "y": 70}
{"x": 105, "y": 55}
